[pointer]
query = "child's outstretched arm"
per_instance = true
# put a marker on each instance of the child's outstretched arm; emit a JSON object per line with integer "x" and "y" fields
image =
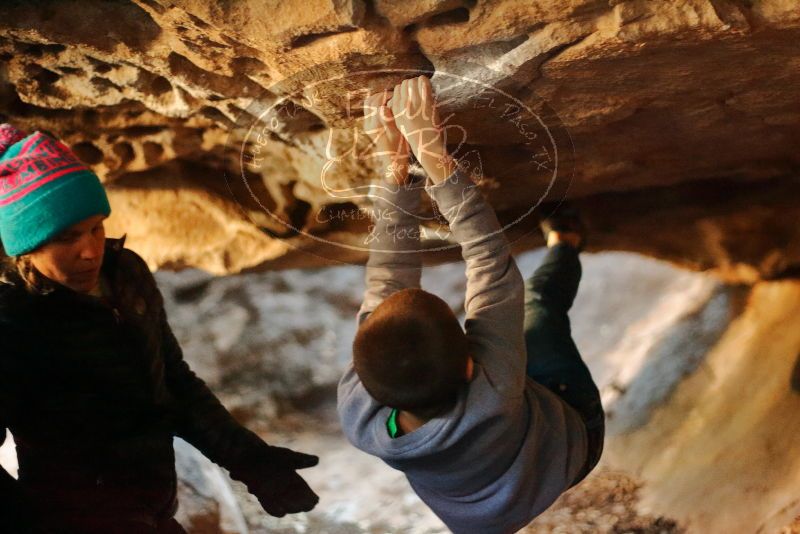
{"x": 494, "y": 297}
{"x": 394, "y": 262}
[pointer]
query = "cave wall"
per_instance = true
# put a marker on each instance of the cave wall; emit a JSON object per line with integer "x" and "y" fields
{"x": 722, "y": 454}
{"x": 676, "y": 122}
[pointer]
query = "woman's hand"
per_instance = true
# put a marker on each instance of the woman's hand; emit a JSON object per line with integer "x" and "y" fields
{"x": 415, "y": 114}
{"x": 390, "y": 145}
{"x": 271, "y": 475}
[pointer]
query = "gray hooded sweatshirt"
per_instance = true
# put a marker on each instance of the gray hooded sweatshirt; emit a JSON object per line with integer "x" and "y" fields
{"x": 509, "y": 447}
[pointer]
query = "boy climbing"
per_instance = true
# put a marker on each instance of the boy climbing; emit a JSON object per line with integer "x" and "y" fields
{"x": 490, "y": 423}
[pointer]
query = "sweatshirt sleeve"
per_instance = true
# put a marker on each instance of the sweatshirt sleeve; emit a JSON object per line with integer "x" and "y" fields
{"x": 494, "y": 296}
{"x": 394, "y": 264}
{"x": 394, "y": 260}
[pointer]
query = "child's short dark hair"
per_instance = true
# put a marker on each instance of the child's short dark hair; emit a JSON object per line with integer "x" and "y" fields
{"x": 411, "y": 353}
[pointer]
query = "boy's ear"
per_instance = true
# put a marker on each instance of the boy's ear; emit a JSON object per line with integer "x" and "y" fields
{"x": 470, "y": 368}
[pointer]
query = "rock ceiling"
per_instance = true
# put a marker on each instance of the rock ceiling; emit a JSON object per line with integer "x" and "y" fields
{"x": 227, "y": 133}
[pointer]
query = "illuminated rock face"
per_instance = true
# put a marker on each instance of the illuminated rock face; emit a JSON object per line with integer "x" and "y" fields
{"x": 673, "y": 126}
{"x": 721, "y": 453}
{"x": 684, "y": 118}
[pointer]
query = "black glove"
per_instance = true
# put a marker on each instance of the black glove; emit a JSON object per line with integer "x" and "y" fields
{"x": 270, "y": 474}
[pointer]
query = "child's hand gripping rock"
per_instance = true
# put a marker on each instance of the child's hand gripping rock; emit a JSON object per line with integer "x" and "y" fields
{"x": 414, "y": 109}
{"x": 390, "y": 145}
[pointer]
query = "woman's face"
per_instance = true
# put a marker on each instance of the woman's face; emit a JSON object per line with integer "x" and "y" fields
{"x": 74, "y": 257}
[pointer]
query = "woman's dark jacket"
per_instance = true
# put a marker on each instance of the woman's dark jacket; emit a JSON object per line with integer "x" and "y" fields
{"x": 93, "y": 394}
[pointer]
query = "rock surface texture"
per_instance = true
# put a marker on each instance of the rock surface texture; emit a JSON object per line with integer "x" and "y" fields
{"x": 673, "y": 125}
{"x": 229, "y": 137}
{"x": 703, "y": 424}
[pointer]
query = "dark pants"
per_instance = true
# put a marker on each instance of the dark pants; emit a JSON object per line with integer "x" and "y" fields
{"x": 166, "y": 527}
{"x": 120, "y": 526}
{"x": 553, "y": 358}
{"x": 105, "y": 523}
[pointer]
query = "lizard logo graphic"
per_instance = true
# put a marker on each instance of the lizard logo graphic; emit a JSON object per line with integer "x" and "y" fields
{"x": 304, "y": 144}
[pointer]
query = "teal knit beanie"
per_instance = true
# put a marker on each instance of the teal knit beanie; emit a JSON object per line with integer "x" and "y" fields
{"x": 44, "y": 189}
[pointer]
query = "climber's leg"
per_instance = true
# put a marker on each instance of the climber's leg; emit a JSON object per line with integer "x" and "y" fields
{"x": 553, "y": 358}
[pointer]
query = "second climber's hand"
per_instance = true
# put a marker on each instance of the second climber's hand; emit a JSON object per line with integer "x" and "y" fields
{"x": 390, "y": 147}
{"x": 272, "y": 478}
